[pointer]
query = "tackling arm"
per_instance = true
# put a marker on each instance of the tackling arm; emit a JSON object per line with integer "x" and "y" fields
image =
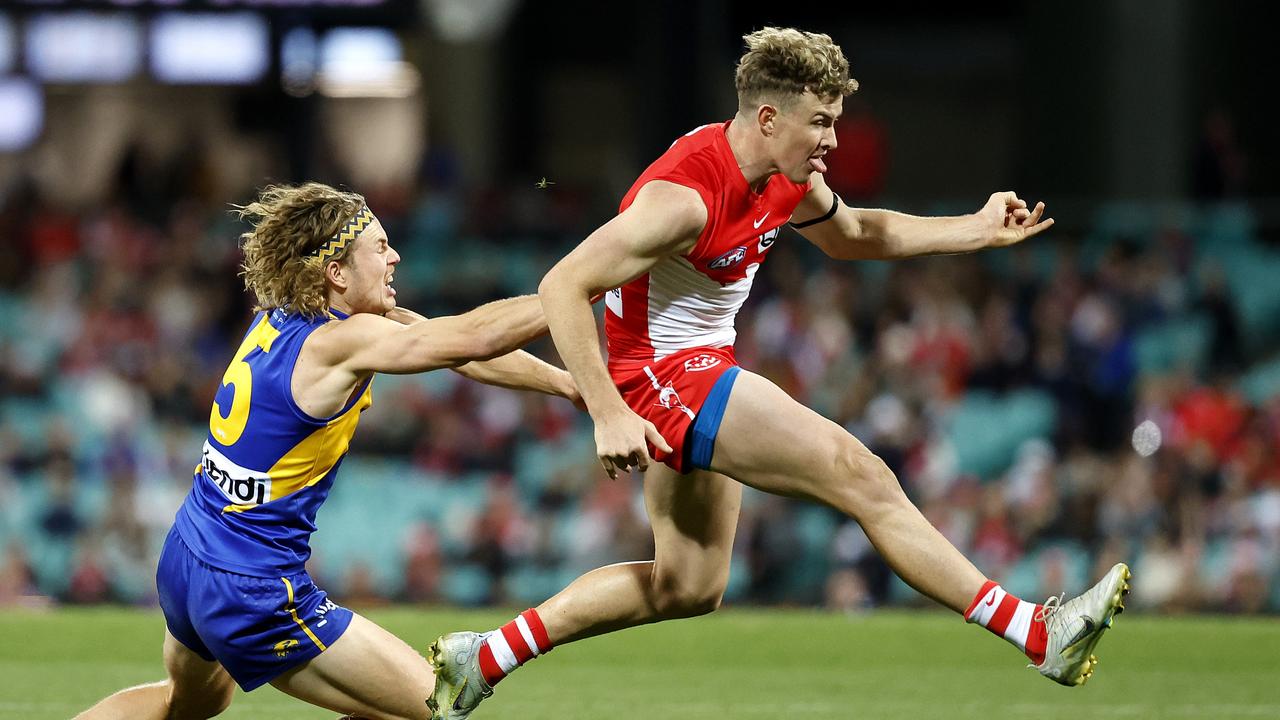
{"x": 366, "y": 343}
{"x": 861, "y": 234}
{"x": 516, "y": 370}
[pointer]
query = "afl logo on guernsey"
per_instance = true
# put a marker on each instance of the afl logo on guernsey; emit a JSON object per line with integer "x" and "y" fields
{"x": 729, "y": 259}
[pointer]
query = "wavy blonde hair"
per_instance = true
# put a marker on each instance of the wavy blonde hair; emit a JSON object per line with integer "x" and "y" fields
{"x": 290, "y": 222}
{"x": 782, "y": 63}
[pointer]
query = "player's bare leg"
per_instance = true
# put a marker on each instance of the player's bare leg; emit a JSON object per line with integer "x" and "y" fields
{"x": 694, "y": 519}
{"x": 367, "y": 673}
{"x": 773, "y": 443}
{"x": 195, "y": 688}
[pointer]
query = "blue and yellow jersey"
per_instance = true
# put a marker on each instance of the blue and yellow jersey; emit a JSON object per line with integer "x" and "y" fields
{"x": 267, "y": 466}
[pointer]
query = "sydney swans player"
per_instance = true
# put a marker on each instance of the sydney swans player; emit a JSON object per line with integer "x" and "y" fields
{"x": 677, "y": 263}
{"x": 238, "y": 603}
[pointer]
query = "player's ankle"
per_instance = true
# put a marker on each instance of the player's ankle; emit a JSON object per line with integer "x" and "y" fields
{"x": 512, "y": 645}
{"x": 1005, "y": 615}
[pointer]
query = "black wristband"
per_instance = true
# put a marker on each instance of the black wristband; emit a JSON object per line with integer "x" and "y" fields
{"x": 835, "y": 205}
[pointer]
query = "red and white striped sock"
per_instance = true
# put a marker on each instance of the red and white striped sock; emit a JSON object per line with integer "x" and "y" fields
{"x": 513, "y": 645}
{"x": 1010, "y": 618}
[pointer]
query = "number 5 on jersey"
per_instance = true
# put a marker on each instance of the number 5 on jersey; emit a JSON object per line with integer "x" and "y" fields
{"x": 226, "y": 430}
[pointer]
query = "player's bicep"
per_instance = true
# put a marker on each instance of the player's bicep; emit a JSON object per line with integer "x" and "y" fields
{"x": 665, "y": 219}
{"x": 837, "y": 229}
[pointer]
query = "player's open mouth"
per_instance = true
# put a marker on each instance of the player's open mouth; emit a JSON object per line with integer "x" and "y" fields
{"x": 817, "y": 164}
{"x": 389, "y": 288}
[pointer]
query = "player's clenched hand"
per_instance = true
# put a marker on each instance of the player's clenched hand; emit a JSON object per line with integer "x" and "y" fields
{"x": 1009, "y": 221}
{"x": 621, "y": 442}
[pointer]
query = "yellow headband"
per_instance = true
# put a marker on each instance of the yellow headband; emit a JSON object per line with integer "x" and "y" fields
{"x": 345, "y": 234}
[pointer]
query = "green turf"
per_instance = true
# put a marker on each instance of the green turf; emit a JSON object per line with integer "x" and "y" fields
{"x": 734, "y": 664}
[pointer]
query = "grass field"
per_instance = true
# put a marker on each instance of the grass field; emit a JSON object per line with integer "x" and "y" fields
{"x": 734, "y": 664}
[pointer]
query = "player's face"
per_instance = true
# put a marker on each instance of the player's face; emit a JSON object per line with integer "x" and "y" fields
{"x": 803, "y": 134}
{"x": 370, "y": 268}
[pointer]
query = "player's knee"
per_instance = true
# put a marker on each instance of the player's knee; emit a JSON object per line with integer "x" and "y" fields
{"x": 682, "y": 598}
{"x": 869, "y": 486}
{"x": 685, "y": 604}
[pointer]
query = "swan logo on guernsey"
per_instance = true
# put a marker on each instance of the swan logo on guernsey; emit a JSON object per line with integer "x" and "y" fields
{"x": 733, "y": 257}
{"x": 700, "y": 363}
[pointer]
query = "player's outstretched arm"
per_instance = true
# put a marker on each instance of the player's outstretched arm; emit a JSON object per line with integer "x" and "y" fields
{"x": 862, "y": 234}
{"x": 366, "y": 343}
{"x": 516, "y": 370}
{"x": 521, "y": 371}
{"x": 665, "y": 219}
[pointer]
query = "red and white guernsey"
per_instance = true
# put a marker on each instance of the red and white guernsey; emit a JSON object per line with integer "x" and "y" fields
{"x": 691, "y": 300}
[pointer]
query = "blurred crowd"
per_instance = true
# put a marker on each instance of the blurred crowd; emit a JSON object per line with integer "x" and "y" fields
{"x": 1111, "y": 391}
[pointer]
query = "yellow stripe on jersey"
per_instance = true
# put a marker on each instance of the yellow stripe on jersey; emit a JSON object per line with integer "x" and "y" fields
{"x": 310, "y": 460}
{"x": 288, "y": 586}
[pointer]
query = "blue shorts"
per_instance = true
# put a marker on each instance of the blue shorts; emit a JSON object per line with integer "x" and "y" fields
{"x": 257, "y": 628}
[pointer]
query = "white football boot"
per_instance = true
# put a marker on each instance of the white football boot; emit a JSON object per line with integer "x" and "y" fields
{"x": 460, "y": 685}
{"x": 1075, "y": 627}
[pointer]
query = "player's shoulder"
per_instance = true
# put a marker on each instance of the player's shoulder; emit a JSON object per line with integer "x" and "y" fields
{"x": 287, "y": 321}
{"x": 699, "y": 150}
{"x": 692, "y": 162}
{"x": 335, "y": 339}
{"x": 355, "y": 326}
{"x": 701, "y": 137}
{"x": 682, "y": 208}
{"x": 695, "y": 159}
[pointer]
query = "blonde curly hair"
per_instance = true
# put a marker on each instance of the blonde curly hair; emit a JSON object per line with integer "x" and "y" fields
{"x": 782, "y": 63}
{"x": 290, "y": 222}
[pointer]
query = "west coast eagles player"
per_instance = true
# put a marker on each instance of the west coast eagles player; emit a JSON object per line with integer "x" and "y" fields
{"x": 238, "y": 603}
{"x": 678, "y": 261}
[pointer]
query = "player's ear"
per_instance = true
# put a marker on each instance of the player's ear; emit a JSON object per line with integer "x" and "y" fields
{"x": 765, "y": 115}
{"x": 335, "y": 273}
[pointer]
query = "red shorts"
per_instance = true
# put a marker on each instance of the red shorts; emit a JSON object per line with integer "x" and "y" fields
{"x": 671, "y": 393}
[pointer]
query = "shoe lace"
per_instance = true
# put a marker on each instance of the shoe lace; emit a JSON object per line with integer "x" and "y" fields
{"x": 1050, "y": 608}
